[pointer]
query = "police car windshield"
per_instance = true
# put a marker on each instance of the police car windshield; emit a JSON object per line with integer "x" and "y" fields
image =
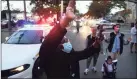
{"x": 26, "y": 37}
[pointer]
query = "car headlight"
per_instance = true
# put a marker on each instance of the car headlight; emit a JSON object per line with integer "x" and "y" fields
{"x": 18, "y": 69}
{"x": 13, "y": 71}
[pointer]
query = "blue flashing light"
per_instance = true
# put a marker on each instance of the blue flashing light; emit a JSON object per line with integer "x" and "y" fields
{"x": 28, "y": 25}
{"x": 35, "y": 25}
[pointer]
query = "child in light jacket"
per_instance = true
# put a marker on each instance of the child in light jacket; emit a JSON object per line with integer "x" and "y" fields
{"x": 108, "y": 69}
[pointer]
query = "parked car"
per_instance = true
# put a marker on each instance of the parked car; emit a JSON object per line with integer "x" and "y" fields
{"x": 107, "y": 24}
{"x": 4, "y": 24}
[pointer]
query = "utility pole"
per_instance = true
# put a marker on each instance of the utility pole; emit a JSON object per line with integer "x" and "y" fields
{"x": 25, "y": 16}
{"x": 9, "y": 21}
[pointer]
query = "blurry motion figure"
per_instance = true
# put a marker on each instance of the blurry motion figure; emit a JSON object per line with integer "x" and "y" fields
{"x": 55, "y": 21}
{"x": 132, "y": 25}
{"x": 77, "y": 25}
{"x": 78, "y": 21}
{"x": 134, "y": 38}
{"x": 108, "y": 69}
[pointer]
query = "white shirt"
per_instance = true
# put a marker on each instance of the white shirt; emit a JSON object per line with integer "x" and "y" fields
{"x": 133, "y": 35}
{"x": 109, "y": 67}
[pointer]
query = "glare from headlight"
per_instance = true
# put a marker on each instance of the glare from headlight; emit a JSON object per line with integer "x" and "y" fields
{"x": 19, "y": 68}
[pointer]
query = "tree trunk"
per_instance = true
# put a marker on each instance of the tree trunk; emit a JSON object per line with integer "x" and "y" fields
{"x": 25, "y": 16}
{"x": 9, "y": 21}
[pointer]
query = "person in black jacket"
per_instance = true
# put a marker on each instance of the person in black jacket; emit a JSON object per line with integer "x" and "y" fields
{"x": 54, "y": 61}
{"x": 66, "y": 48}
{"x": 90, "y": 40}
{"x": 116, "y": 42}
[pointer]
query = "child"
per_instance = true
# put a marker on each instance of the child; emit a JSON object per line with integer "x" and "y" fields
{"x": 108, "y": 69}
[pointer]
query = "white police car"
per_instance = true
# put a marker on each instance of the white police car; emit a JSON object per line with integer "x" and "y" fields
{"x": 20, "y": 52}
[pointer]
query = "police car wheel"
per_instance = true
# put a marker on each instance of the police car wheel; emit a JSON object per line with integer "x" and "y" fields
{"x": 36, "y": 72}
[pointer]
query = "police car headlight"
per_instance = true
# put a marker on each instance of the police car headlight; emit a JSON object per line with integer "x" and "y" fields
{"x": 13, "y": 71}
{"x": 21, "y": 68}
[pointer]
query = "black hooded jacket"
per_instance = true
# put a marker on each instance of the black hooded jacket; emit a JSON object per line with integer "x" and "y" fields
{"x": 112, "y": 38}
{"x": 55, "y": 62}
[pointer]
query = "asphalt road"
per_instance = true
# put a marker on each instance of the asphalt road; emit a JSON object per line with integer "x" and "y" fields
{"x": 126, "y": 63}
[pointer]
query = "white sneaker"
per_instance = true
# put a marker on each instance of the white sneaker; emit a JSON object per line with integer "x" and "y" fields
{"x": 86, "y": 71}
{"x": 116, "y": 60}
{"x": 73, "y": 75}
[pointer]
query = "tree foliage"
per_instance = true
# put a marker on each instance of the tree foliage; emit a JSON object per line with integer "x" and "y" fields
{"x": 44, "y": 8}
{"x": 100, "y": 8}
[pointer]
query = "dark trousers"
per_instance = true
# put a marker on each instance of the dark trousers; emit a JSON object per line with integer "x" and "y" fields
{"x": 77, "y": 29}
{"x": 110, "y": 75}
{"x": 75, "y": 70}
{"x": 95, "y": 57}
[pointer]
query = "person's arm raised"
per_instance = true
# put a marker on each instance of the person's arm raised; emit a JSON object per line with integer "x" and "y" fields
{"x": 53, "y": 39}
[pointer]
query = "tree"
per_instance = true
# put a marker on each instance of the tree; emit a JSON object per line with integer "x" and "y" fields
{"x": 46, "y": 8}
{"x": 100, "y": 8}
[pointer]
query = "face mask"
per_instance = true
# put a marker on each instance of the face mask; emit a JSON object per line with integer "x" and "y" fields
{"x": 117, "y": 30}
{"x": 67, "y": 47}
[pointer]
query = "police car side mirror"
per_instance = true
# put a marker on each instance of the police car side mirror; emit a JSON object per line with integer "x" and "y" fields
{"x": 6, "y": 38}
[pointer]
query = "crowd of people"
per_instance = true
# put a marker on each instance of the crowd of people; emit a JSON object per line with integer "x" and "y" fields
{"x": 58, "y": 59}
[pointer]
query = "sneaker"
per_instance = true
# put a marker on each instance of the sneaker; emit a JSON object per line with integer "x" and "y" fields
{"x": 73, "y": 75}
{"x": 86, "y": 71}
{"x": 94, "y": 69}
